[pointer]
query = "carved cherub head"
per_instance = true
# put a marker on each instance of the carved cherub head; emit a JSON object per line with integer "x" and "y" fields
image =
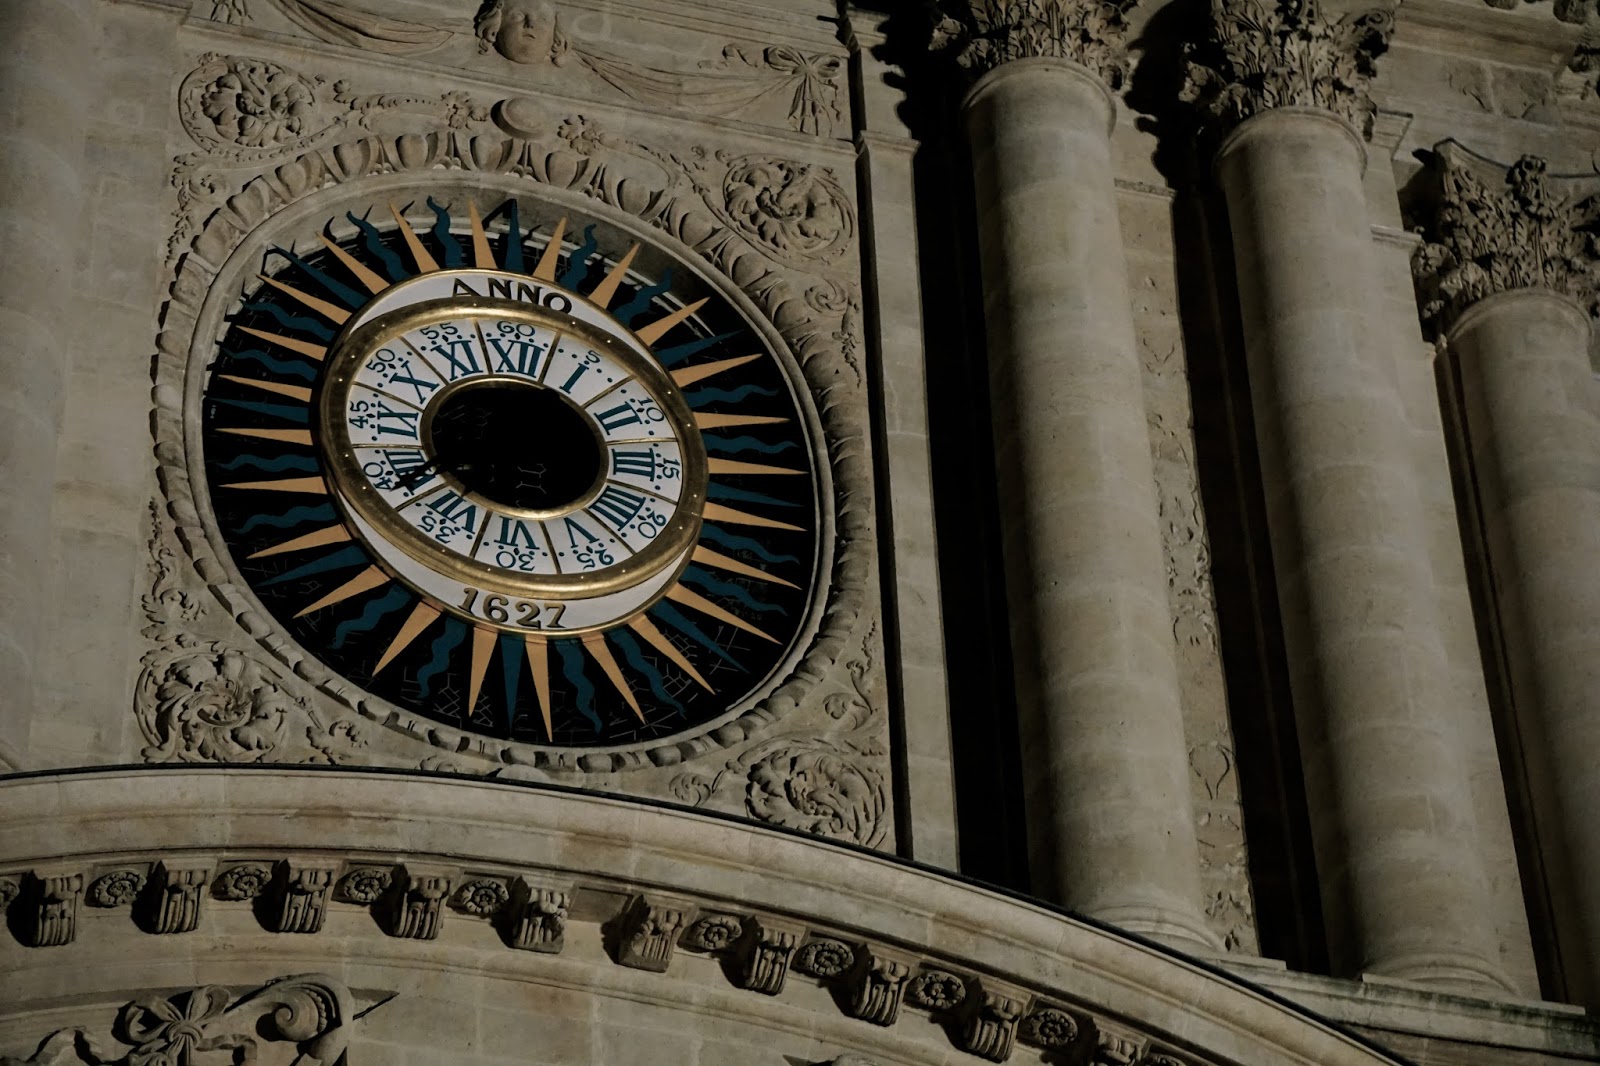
{"x": 523, "y": 31}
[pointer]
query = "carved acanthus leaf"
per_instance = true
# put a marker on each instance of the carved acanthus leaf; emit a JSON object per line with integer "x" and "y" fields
{"x": 987, "y": 33}
{"x": 1263, "y": 54}
{"x": 311, "y": 1010}
{"x": 1492, "y": 229}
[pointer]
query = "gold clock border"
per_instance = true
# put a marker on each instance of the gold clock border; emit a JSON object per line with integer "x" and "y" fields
{"x": 352, "y": 490}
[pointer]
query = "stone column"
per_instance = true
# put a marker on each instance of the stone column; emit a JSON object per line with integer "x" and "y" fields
{"x": 45, "y": 82}
{"x": 1111, "y": 826}
{"x": 1509, "y": 280}
{"x": 1403, "y": 881}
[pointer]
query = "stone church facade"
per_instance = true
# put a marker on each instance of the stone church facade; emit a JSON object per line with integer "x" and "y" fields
{"x": 738, "y": 532}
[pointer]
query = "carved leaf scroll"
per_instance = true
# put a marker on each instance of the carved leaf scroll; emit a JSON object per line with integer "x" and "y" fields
{"x": 1491, "y": 229}
{"x": 312, "y": 1011}
{"x": 1263, "y": 54}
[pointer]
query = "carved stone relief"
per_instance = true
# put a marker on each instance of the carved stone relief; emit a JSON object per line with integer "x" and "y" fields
{"x": 869, "y": 981}
{"x": 1214, "y": 788}
{"x": 340, "y": 23}
{"x": 983, "y": 34}
{"x": 200, "y": 700}
{"x": 529, "y": 32}
{"x": 827, "y": 786}
{"x": 783, "y": 230}
{"x": 1263, "y": 54}
{"x": 312, "y": 1010}
{"x": 1489, "y": 228}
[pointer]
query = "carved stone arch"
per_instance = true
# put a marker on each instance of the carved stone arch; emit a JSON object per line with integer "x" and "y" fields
{"x": 808, "y": 317}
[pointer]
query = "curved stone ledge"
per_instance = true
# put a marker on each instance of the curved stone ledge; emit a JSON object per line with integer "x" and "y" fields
{"x": 426, "y": 888}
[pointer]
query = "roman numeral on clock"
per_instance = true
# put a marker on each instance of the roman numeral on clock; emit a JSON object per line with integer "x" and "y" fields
{"x": 397, "y": 423}
{"x": 614, "y": 419}
{"x": 617, "y": 506}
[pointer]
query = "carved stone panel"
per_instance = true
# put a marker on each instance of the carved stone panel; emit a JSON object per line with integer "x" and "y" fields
{"x": 221, "y": 683}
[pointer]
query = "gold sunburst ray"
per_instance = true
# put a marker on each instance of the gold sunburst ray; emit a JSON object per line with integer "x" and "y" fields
{"x": 331, "y": 312}
{"x": 305, "y": 348}
{"x": 546, "y": 268}
{"x": 717, "y": 561}
{"x": 606, "y": 291}
{"x": 706, "y": 420}
{"x": 424, "y": 260}
{"x": 539, "y": 667}
{"x": 294, "y": 392}
{"x": 658, "y": 640}
{"x": 734, "y": 467}
{"x": 693, "y": 600}
{"x": 658, "y": 329}
{"x": 316, "y": 539}
{"x": 422, "y": 616}
{"x": 483, "y": 639}
{"x": 282, "y": 436}
{"x": 595, "y": 644}
{"x": 311, "y": 486}
{"x": 370, "y": 578}
{"x": 691, "y": 374}
{"x": 482, "y": 254}
{"x": 716, "y": 512}
{"x": 369, "y": 278}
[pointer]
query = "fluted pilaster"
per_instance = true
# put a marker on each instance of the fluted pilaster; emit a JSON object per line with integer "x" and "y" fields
{"x": 1404, "y": 882}
{"x": 1111, "y": 826}
{"x": 1509, "y": 278}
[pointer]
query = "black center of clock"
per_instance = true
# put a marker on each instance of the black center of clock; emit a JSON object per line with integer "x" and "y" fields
{"x": 516, "y": 444}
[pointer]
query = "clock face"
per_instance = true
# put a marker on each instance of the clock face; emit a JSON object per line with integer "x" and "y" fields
{"x": 512, "y": 484}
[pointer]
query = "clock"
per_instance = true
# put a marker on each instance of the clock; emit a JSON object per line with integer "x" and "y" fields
{"x": 549, "y": 490}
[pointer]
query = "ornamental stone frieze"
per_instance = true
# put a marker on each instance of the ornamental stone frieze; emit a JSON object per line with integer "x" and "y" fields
{"x": 1491, "y": 229}
{"x": 754, "y": 927}
{"x": 314, "y": 1011}
{"x": 983, "y": 34}
{"x": 1264, "y": 54}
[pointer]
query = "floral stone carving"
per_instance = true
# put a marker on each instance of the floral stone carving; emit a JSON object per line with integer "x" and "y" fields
{"x": 483, "y": 897}
{"x": 311, "y": 1010}
{"x": 1263, "y": 54}
{"x": 1492, "y": 229}
{"x": 245, "y": 881}
{"x": 986, "y": 33}
{"x": 825, "y": 958}
{"x": 366, "y": 885}
{"x": 714, "y": 932}
{"x": 115, "y": 889}
{"x": 936, "y": 990}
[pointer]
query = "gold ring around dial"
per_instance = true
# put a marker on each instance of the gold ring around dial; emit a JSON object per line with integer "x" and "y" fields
{"x": 354, "y": 492}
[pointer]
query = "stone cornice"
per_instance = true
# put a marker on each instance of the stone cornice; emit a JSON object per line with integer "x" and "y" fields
{"x": 1264, "y": 54}
{"x": 1490, "y": 229}
{"x": 559, "y": 873}
{"x": 984, "y": 34}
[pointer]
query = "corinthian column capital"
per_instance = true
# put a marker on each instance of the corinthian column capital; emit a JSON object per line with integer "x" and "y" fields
{"x": 1492, "y": 229}
{"x": 986, "y": 33}
{"x": 1264, "y": 54}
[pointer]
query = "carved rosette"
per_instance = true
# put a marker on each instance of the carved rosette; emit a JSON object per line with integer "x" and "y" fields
{"x": 986, "y": 33}
{"x": 1491, "y": 229}
{"x": 1265, "y": 54}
